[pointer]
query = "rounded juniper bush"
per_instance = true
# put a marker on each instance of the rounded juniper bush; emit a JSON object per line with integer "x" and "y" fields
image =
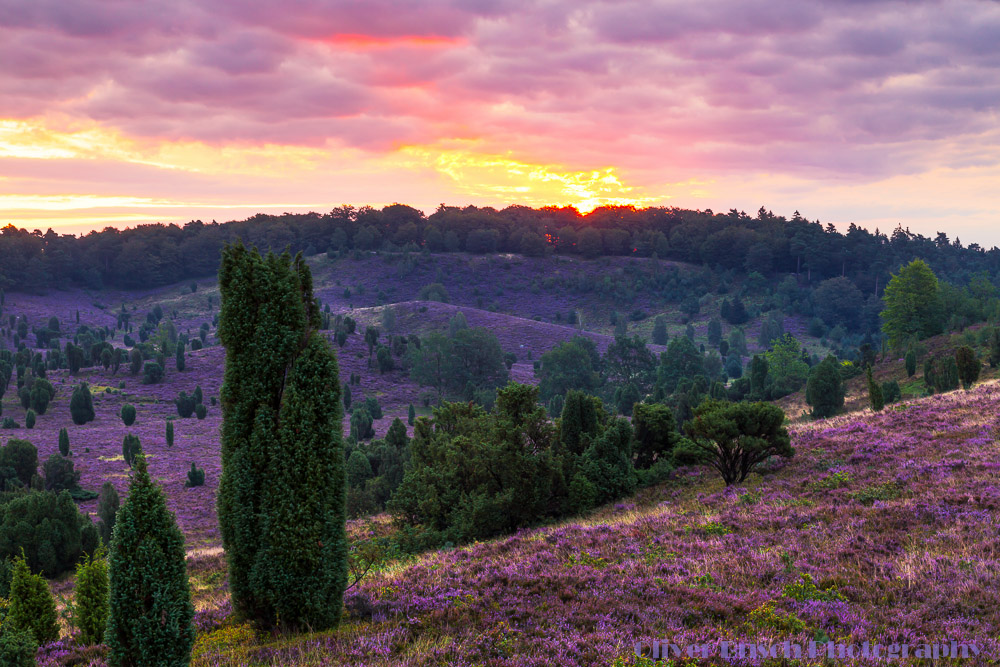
{"x": 81, "y": 405}
{"x": 128, "y": 414}
{"x": 150, "y": 620}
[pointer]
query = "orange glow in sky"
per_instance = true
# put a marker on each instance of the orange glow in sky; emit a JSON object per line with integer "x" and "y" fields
{"x": 877, "y": 113}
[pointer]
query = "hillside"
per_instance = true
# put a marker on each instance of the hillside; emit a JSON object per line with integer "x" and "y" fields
{"x": 874, "y": 508}
{"x": 893, "y": 517}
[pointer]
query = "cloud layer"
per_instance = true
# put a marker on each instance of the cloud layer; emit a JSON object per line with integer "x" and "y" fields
{"x": 663, "y": 92}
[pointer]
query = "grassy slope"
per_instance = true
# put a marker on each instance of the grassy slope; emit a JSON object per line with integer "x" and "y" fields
{"x": 893, "y": 516}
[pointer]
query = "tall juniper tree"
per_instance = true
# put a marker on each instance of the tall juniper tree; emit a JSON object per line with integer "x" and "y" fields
{"x": 281, "y": 496}
{"x": 151, "y": 614}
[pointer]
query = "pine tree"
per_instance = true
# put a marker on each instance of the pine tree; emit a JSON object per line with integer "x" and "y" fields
{"x": 179, "y": 360}
{"x": 411, "y": 415}
{"x": 281, "y": 498}
{"x": 32, "y": 608}
{"x": 81, "y": 405}
{"x": 151, "y": 615}
{"x": 170, "y": 434}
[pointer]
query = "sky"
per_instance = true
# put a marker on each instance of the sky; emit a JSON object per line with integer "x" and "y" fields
{"x": 121, "y": 112}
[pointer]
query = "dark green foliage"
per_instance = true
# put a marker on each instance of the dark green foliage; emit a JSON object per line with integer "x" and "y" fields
{"x": 680, "y": 360}
{"x": 758, "y": 376}
{"x": 64, "y": 442}
{"x": 913, "y": 306}
{"x": 994, "y": 348}
{"x": 42, "y": 392}
{"x": 607, "y": 463}
{"x": 200, "y": 411}
{"x": 910, "y": 362}
{"x": 628, "y": 360}
{"x": 433, "y": 292}
{"x": 91, "y": 595}
{"x": 128, "y": 414}
{"x": 497, "y": 483}
{"x": 281, "y": 498}
{"x": 130, "y": 447}
{"x": 60, "y": 474}
{"x": 969, "y": 366}
{"x": 179, "y": 358}
{"x": 396, "y": 435}
{"x": 941, "y": 374}
{"x": 107, "y": 510}
{"x": 384, "y": 358}
{"x": 371, "y": 339}
{"x": 660, "y": 330}
{"x": 198, "y": 396}
{"x": 170, "y": 434}
{"x": 29, "y": 419}
{"x": 736, "y": 437}
{"x": 81, "y": 405}
{"x": 570, "y": 365}
{"x": 18, "y": 462}
{"x": 581, "y": 417}
{"x": 358, "y": 469}
{"x": 891, "y": 391}
{"x": 32, "y": 608}
{"x": 411, "y": 415}
{"x": 347, "y": 396}
{"x": 185, "y": 404}
{"x": 626, "y": 397}
{"x": 195, "y": 476}
{"x": 825, "y": 389}
{"x": 714, "y": 332}
{"x": 17, "y": 647}
{"x": 74, "y": 358}
{"x": 49, "y": 528}
{"x": 150, "y": 619}
{"x": 135, "y": 361}
{"x": 152, "y": 372}
{"x": 472, "y": 357}
{"x": 373, "y": 408}
{"x": 655, "y": 433}
{"x": 734, "y": 311}
{"x": 734, "y": 367}
{"x": 875, "y": 397}
{"x": 361, "y": 425}
{"x": 839, "y": 301}
{"x": 196, "y": 344}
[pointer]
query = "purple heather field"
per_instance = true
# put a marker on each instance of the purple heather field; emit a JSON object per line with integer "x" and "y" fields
{"x": 882, "y": 528}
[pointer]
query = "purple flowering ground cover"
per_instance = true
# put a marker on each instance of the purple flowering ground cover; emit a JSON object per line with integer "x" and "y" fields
{"x": 883, "y": 528}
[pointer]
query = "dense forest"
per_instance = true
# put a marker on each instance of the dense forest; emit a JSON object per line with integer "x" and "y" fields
{"x": 158, "y": 254}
